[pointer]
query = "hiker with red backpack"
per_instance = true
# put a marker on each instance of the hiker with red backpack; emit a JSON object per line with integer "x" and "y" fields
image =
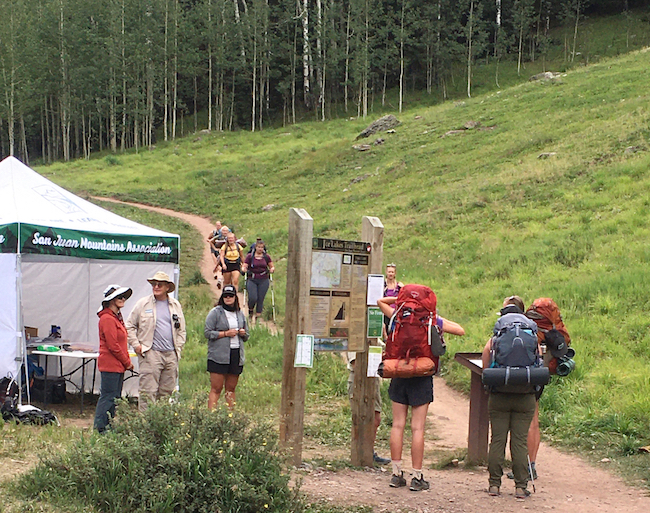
{"x": 411, "y": 358}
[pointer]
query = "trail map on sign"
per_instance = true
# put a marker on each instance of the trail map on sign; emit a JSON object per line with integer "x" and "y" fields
{"x": 337, "y": 296}
{"x": 326, "y": 270}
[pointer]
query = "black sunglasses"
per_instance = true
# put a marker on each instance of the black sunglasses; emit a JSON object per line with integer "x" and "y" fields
{"x": 177, "y": 323}
{"x": 229, "y": 295}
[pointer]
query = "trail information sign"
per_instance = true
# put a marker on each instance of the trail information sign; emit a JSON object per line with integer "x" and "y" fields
{"x": 337, "y": 295}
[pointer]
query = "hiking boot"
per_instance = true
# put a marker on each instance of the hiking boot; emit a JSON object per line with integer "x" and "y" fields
{"x": 379, "y": 460}
{"x": 494, "y": 491}
{"x": 522, "y": 493}
{"x": 397, "y": 481}
{"x": 419, "y": 484}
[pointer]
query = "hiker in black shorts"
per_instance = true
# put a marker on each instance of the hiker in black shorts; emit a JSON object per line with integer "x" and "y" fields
{"x": 418, "y": 394}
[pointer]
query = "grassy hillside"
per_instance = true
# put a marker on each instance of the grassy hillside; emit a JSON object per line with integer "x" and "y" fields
{"x": 477, "y": 215}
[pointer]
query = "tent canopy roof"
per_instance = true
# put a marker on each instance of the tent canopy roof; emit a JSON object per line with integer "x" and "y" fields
{"x": 29, "y": 198}
{"x": 39, "y": 217}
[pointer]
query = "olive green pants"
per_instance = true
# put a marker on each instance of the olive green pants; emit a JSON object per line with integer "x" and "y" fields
{"x": 511, "y": 413}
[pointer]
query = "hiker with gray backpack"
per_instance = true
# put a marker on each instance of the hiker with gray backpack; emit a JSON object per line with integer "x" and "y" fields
{"x": 512, "y": 373}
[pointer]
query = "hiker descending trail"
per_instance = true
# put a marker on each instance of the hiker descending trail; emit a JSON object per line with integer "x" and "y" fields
{"x": 206, "y": 264}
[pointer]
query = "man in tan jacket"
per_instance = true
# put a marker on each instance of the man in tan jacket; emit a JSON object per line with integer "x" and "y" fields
{"x": 156, "y": 331}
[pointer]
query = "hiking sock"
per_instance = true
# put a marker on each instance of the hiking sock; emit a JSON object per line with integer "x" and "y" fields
{"x": 397, "y": 467}
{"x": 417, "y": 474}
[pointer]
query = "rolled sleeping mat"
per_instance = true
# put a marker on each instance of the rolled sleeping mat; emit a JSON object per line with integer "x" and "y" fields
{"x": 495, "y": 376}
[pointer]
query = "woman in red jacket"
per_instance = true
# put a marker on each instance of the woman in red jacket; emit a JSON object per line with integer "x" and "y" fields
{"x": 113, "y": 354}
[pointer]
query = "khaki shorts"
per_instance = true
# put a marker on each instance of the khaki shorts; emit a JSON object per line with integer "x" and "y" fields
{"x": 377, "y": 390}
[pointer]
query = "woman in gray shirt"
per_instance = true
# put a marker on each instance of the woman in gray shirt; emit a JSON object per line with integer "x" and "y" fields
{"x": 226, "y": 330}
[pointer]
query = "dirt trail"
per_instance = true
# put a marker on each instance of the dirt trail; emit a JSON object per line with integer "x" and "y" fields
{"x": 566, "y": 482}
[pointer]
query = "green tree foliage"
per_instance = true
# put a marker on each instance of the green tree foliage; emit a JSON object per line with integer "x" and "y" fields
{"x": 78, "y": 76}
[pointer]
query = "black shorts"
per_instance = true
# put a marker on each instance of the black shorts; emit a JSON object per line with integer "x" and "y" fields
{"x": 411, "y": 391}
{"x": 232, "y": 266}
{"x": 227, "y": 368}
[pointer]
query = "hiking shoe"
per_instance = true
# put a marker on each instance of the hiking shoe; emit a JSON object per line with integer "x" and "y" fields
{"x": 397, "y": 481}
{"x": 494, "y": 491}
{"x": 522, "y": 493}
{"x": 379, "y": 460}
{"x": 419, "y": 484}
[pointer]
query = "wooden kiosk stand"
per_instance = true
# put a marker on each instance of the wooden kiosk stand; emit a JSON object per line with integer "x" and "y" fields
{"x": 479, "y": 420}
{"x": 326, "y": 298}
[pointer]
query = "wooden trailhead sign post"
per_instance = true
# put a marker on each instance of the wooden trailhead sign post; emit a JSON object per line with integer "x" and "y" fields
{"x": 326, "y": 298}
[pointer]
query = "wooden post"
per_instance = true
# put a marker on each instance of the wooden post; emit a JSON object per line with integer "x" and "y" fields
{"x": 479, "y": 419}
{"x": 297, "y": 320}
{"x": 363, "y": 402}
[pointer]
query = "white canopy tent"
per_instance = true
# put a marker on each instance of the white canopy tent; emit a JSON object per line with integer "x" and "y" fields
{"x": 58, "y": 253}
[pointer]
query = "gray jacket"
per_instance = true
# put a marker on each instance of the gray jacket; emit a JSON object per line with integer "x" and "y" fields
{"x": 219, "y": 348}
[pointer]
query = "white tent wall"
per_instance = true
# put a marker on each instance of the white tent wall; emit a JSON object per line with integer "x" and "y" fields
{"x": 9, "y": 340}
{"x": 67, "y": 292}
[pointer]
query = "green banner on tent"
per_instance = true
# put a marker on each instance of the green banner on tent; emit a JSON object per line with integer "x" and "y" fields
{"x": 44, "y": 240}
{"x": 9, "y": 238}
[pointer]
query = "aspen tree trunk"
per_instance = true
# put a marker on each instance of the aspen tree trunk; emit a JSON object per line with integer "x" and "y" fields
{"x": 165, "y": 74}
{"x": 83, "y": 135}
{"x": 9, "y": 96}
{"x": 24, "y": 152}
{"x": 64, "y": 99}
{"x": 521, "y": 44}
{"x": 232, "y": 102}
{"x": 43, "y": 141}
{"x": 347, "y": 60}
{"x": 196, "y": 115}
{"x": 496, "y": 43}
{"x": 112, "y": 113}
{"x": 383, "y": 87}
{"x": 124, "y": 103}
{"x": 238, "y": 22}
{"x": 294, "y": 77}
{"x": 99, "y": 123}
{"x": 470, "y": 31}
{"x": 306, "y": 52}
{"x": 254, "y": 80}
{"x": 575, "y": 31}
{"x": 10, "y": 92}
{"x": 48, "y": 138}
{"x": 210, "y": 68}
{"x": 401, "y": 57}
{"x": 221, "y": 98}
{"x": 319, "y": 52}
{"x": 366, "y": 63}
{"x": 136, "y": 124}
{"x": 175, "y": 96}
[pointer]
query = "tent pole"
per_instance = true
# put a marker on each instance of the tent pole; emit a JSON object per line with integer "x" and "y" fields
{"x": 22, "y": 350}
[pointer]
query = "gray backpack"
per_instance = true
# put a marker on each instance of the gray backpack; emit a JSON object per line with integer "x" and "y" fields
{"x": 516, "y": 366}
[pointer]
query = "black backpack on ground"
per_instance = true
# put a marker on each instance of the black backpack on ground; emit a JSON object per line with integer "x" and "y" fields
{"x": 515, "y": 363}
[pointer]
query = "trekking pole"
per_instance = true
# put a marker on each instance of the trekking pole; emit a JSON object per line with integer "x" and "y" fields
{"x": 246, "y": 290}
{"x": 530, "y": 471}
{"x": 272, "y": 296}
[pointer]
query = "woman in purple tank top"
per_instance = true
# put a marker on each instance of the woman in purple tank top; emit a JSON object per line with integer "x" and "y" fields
{"x": 391, "y": 285}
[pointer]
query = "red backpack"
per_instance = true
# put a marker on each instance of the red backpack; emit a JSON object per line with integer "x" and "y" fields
{"x": 546, "y": 314}
{"x": 414, "y": 329}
